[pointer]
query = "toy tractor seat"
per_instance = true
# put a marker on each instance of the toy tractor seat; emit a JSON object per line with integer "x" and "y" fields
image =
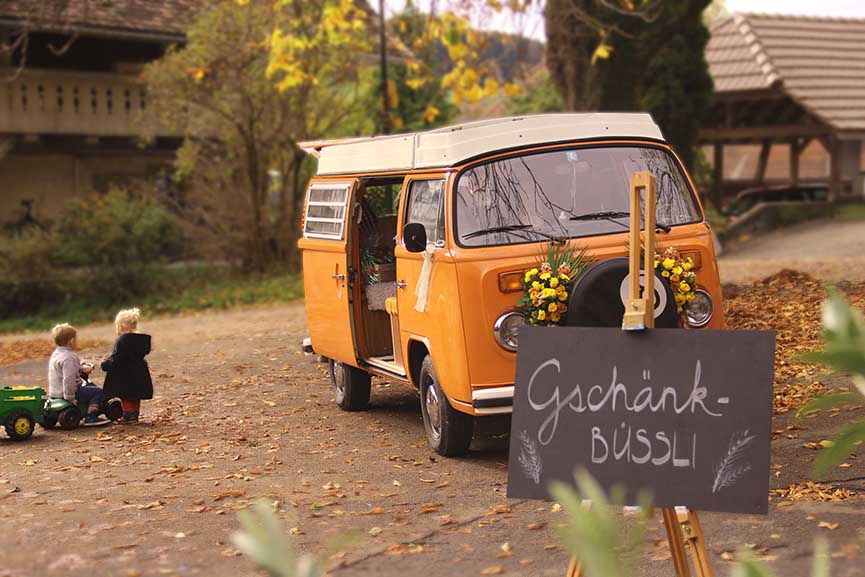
{"x": 598, "y": 297}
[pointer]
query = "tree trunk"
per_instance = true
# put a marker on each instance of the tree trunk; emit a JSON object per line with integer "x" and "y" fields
{"x": 570, "y": 46}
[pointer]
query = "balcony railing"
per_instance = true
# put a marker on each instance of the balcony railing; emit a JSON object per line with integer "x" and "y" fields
{"x": 43, "y": 101}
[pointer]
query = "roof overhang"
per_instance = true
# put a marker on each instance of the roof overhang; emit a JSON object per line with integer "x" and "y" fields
{"x": 98, "y": 31}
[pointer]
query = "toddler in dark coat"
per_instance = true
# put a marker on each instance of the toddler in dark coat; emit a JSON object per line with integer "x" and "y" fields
{"x": 127, "y": 375}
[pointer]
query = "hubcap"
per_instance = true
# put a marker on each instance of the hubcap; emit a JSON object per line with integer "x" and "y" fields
{"x": 338, "y": 380}
{"x": 22, "y": 425}
{"x": 431, "y": 400}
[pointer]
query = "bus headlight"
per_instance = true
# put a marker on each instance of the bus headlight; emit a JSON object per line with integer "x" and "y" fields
{"x": 699, "y": 310}
{"x": 506, "y": 329}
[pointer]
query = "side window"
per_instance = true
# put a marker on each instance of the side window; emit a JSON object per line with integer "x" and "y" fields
{"x": 426, "y": 206}
{"x": 325, "y": 211}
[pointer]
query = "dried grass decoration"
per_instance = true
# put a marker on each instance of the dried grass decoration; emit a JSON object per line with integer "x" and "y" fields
{"x": 547, "y": 286}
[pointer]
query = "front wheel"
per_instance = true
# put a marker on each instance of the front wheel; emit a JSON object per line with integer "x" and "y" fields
{"x": 351, "y": 386}
{"x": 69, "y": 418}
{"x": 448, "y": 431}
{"x": 20, "y": 426}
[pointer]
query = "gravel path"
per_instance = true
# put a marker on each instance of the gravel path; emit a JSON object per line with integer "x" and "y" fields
{"x": 830, "y": 250}
{"x": 241, "y": 415}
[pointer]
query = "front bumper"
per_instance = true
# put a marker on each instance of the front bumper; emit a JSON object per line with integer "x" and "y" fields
{"x": 493, "y": 400}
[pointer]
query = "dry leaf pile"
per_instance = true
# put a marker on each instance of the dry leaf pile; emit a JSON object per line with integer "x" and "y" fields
{"x": 811, "y": 491}
{"x": 789, "y": 303}
{"x": 13, "y": 352}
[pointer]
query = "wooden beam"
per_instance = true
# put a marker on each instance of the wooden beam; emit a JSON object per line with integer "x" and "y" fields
{"x": 795, "y": 151}
{"x": 7, "y": 143}
{"x": 765, "y": 149}
{"x": 834, "y": 149}
{"x": 719, "y": 175}
{"x": 749, "y": 95}
{"x": 755, "y": 133}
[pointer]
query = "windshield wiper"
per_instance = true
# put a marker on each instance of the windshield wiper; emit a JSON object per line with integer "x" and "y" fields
{"x": 612, "y": 215}
{"x": 514, "y": 228}
{"x": 606, "y": 215}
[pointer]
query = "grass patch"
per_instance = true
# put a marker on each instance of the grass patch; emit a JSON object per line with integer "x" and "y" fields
{"x": 176, "y": 290}
{"x": 851, "y": 212}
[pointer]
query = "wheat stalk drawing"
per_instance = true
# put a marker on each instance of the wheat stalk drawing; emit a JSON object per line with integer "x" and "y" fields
{"x": 731, "y": 468}
{"x": 529, "y": 458}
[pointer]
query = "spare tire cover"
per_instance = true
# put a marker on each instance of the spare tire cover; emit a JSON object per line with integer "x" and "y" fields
{"x": 599, "y": 294}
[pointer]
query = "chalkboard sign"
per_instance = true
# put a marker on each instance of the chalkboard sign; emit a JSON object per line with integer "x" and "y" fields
{"x": 684, "y": 413}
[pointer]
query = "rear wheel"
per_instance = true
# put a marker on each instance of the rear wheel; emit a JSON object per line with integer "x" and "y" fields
{"x": 113, "y": 409}
{"x": 448, "y": 431}
{"x": 20, "y": 426}
{"x": 49, "y": 421}
{"x": 351, "y": 386}
{"x": 69, "y": 418}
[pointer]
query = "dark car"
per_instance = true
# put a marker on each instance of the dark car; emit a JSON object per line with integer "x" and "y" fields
{"x": 750, "y": 197}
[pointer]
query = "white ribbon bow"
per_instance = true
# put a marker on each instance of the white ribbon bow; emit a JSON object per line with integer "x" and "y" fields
{"x": 421, "y": 290}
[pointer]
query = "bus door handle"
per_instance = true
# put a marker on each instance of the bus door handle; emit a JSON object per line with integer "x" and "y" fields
{"x": 338, "y": 277}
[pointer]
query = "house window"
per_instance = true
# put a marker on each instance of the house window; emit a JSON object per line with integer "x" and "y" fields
{"x": 426, "y": 206}
{"x": 325, "y": 211}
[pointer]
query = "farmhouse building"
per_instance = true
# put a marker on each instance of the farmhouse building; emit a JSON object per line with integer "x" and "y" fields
{"x": 790, "y": 92}
{"x": 70, "y": 98}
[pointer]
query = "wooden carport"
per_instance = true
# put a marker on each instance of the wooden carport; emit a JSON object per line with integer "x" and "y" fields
{"x": 788, "y": 80}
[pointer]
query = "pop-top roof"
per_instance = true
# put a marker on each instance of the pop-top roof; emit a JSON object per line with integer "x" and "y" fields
{"x": 455, "y": 144}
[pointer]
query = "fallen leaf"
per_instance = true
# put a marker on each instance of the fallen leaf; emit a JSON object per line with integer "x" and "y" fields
{"x": 493, "y": 570}
{"x": 229, "y": 494}
{"x": 828, "y": 525}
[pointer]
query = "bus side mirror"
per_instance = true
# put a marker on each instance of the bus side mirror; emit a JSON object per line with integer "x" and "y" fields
{"x": 414, "y": 237}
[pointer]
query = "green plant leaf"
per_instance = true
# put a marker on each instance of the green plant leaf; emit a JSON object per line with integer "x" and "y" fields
{"x": 826, "y": 401}
{"x": 596, "y": 531}
{"x": 748, "y": 566}
{"x": 820, "y": 563}
{"x": 843, "y": 443}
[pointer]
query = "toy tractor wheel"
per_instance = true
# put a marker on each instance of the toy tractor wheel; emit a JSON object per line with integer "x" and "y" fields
{"x": 49, "y": 421}
{"x": 351, "y": 386}
{"x": 20, "y": 426}
{"x": 69, "y": 418}
{"x": 448, "y": 431}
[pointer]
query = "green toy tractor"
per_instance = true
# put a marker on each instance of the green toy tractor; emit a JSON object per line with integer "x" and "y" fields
{"x": 20, "y": 409}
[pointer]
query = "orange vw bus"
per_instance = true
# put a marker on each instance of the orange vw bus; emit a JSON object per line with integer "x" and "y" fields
{"x": 414, "y": 247}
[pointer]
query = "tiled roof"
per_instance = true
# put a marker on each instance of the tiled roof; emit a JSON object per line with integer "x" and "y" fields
{"x": 163, "y": 18}
{"x": 818, "y": 62}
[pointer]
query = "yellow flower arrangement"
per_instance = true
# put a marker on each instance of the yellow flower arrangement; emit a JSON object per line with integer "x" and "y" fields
{"x": 682, "y": 280}
{"x": 547, "y": 286}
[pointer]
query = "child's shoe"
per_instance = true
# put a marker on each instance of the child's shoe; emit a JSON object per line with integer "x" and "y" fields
{"x": 94, "y": 419}
{"x": 130, "y": 417}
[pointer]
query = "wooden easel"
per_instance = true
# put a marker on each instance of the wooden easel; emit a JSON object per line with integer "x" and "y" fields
{"x": 682, "y": 524}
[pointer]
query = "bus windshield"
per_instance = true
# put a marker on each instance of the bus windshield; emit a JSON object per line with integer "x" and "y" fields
{"x": 565, "y": 193}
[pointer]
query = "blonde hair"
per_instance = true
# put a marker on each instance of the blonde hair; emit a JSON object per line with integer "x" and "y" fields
{"x": 126, "y": 320}
{"x": 63, "y": 334}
